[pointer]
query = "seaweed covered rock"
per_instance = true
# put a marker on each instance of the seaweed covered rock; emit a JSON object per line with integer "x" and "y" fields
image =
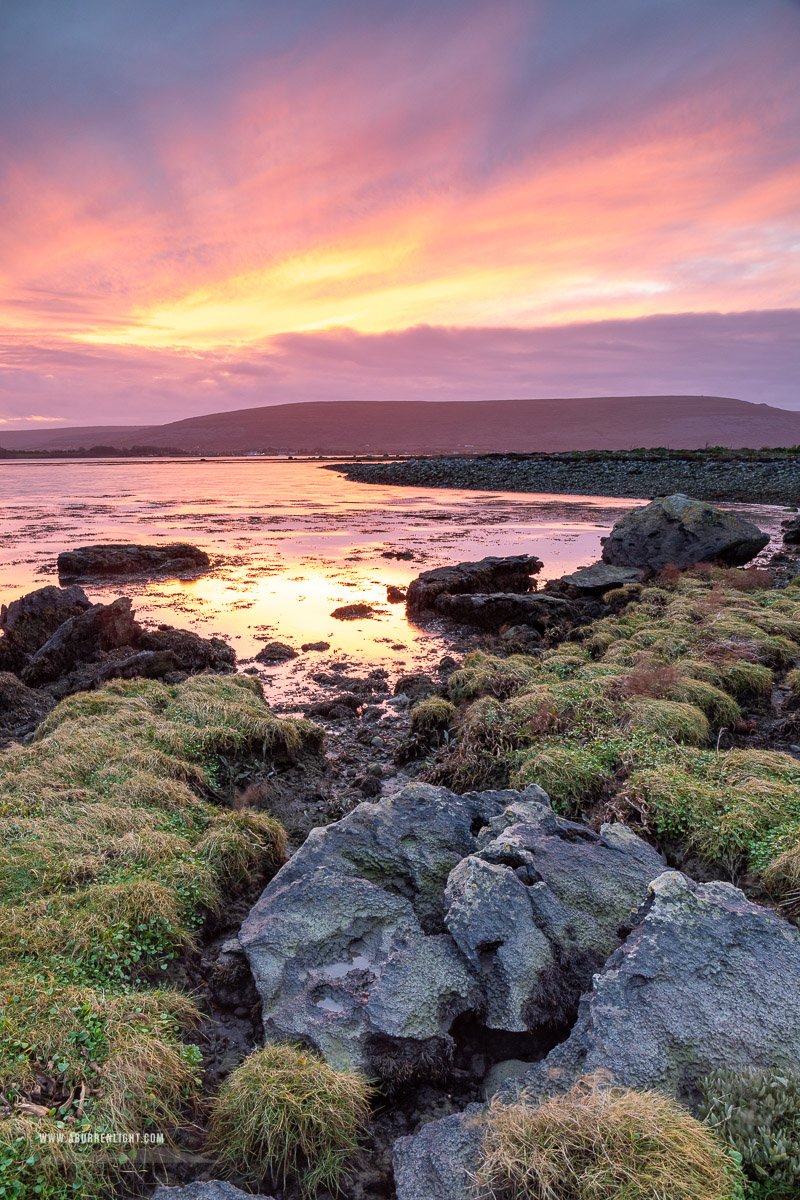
{"x": 21, "y": 707}
{"x": 119, "y": 560}
{"x": 512, "y": 574}
{"x": 679, "y": 531}
{"x": 389, "y": 924}
{"x": 30, "y": 620}
{"x": 81, "y": 638}
{"x": 191, "y": 652}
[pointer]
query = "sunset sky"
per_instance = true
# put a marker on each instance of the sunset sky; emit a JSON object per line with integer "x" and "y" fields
{"x": 210, "y": 204}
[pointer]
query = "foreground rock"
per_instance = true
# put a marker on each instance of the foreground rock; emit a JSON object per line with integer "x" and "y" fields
{"x": 537, "y": 610}
{"x": 275, "y": 652}
{"x": 116, "y": 560}
{"x": 706, "y": 980}
{"x": 28, "y": 622}
{"x": 678, "y": 531}
{"x": 512, "y": 574}
{"x": 390, "y": 924}
{"x": 211, "y": 1189}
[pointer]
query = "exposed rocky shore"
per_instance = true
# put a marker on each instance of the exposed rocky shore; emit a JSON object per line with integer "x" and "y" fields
{"x": 460, "y": 892}
{"x": 747, "y": 480}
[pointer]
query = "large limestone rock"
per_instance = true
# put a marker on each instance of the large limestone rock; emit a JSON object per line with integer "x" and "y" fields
{"x": 512, "y": 574}
{"x": 119, "y": 560}
{"x": 678, "y": 531}
{"x": 705, "y": 980}
{"x": 389, "y": 924}
{"x": 28, "y": 622}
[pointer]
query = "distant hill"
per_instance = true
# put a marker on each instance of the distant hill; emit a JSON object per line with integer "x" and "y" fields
{"x": 353, "y": 427}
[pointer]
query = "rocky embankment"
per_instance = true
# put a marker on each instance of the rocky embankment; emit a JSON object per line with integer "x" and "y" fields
{"x": 747, "y": 480}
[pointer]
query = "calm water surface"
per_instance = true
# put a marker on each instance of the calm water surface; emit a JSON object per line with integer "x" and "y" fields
{"x": 290, "y": 541}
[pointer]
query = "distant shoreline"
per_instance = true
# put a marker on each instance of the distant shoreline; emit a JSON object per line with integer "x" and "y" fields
{"x": 746, "y": 477}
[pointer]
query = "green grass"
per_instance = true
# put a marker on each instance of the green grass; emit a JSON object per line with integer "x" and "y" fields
{"x": 635, "y": 710}
{"x": 110, "y": 860}
{"x": 600, "y": 1144}
{"x": 285, "y": 1112}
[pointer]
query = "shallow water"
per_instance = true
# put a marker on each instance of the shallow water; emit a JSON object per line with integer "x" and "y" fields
{"x": 290, "y": 541}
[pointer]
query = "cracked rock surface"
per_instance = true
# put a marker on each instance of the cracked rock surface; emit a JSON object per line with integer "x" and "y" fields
{"x": 386, "y": 926}
{"x": 706, "y": 979}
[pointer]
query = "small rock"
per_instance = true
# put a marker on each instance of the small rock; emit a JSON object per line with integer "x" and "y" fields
{"x": 306, "y": 646}
{"x": 395, "y": 594}
{"x": 377, "y": 741}
{"x": 416, "y": 686}
{"x": 353, "y": 612}
{"x": 275, "y": 652}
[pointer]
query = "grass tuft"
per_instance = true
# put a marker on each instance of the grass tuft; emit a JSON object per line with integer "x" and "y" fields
{"x": 285, "y": 1112}
{"x": 595, "y": 1144}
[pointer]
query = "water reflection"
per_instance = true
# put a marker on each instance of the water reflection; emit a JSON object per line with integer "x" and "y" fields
{"x": 290, "y": 541}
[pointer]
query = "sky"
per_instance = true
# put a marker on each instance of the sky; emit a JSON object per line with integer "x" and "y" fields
{"x": 206, "y": 206}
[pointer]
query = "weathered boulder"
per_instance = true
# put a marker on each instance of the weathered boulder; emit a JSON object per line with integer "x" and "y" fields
{"x": 599, "y": 577}
{"x": 191, "y": 652}
{"x": 21, "y": 707}
{"x": 28, "y": 622}
{"x": 705, "y": 980}
{"x": 512, "y": 574}
{"x": 123, "y": 560}
{"x": 386, "y": 926}
{"x": 208, "y": 1189}
{"x": 117, "y": 664}
{"x": 80, "y": 639}
{"x": 678, "y": 531}
{"x": 490, "y": 611}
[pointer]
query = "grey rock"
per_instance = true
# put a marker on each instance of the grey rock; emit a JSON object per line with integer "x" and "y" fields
{"x": 599, "y": 577}
{"x": 210, "y": 1189}
{"x": 512, "y": 574}
{"x": 496, "y": 1076}
{"x": 28, "y": 622}
{"x": 791, "y": 531}
{"x": 387, "y": 925}
{"x": 706, "y": 980}
{"x": 120, "y": 560}
{"x": 438, "y": 1162}
{"x": 489, "y": 611}
{"x": 679, "y": 531}
{"x": 100, "y": 628}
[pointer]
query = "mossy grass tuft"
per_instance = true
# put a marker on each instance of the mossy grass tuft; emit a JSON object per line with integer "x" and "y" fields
{"x": 284, "y": 1112}
{"x": 598, "y": 1144}
{"x": 110, "y": 859}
